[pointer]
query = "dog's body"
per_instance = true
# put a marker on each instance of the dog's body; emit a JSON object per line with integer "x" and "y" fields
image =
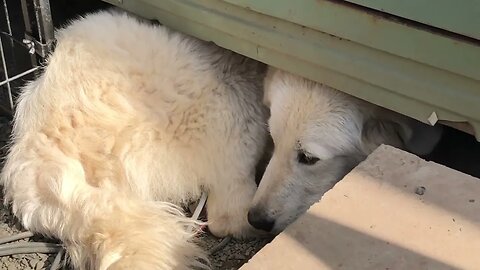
{"x": 320, "y": 134}
{"x": 126, "y": 119}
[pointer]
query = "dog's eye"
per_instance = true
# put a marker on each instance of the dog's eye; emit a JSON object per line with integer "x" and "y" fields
{"x": 306, "y": 159}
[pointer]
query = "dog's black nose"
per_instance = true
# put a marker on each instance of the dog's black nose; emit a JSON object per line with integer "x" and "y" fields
{"x": 260, "y": 221}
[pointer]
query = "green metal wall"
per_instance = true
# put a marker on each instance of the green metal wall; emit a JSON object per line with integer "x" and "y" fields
{"x": 416, "y": 71}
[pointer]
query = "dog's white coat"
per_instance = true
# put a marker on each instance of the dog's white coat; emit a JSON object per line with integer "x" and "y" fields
{"x": 126, "y": 119}
{"x": 340, "y": 130}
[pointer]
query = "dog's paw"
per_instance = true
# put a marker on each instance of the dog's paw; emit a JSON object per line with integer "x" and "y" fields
{"x": 229, "y": 226}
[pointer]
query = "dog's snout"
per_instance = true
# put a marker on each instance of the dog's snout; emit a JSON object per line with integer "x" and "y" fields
{"x": 259, "y": 220}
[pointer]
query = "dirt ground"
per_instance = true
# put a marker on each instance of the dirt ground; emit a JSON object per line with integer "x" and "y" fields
{"x": 230, "y": 257}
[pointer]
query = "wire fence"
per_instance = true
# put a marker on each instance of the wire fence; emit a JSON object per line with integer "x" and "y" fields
{"x": 26, "y": 38}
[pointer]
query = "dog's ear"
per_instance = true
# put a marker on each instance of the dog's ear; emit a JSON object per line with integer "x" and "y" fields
{"x": 423, "y": 138}
{"x": 274, "y": 78}
{"x": 402, "y": 132}
{"x": 267, "y": 86}
{"x": 379, "y": 131}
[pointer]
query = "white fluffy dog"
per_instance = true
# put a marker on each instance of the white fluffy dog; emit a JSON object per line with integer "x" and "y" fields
{"x": 320, "y": 134}
{"x": 126, "y": 119}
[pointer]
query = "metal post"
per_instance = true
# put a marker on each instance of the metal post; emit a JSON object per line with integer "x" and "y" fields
{"x": 42, "y": 16}
{"x": 5, "y": 72}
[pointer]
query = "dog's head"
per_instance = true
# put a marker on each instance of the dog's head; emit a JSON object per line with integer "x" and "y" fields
{"x": 319, "y": 134}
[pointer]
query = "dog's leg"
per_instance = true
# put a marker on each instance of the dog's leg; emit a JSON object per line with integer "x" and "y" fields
{"x": 227, "y": 207}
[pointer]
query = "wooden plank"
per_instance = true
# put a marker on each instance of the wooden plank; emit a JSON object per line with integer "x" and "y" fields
{"x": 461, "y": 17}
{"x": 376, "y": 32}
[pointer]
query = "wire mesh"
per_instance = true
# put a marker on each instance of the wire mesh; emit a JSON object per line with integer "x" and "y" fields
{"x": 26, "y": 37}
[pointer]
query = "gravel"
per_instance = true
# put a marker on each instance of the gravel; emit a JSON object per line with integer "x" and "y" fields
{"x": 234, "y": 254}
{"x": 9, "y": 225}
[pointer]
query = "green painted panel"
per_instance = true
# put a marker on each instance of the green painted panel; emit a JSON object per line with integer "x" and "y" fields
{"x": 461, "y": 17}
{"x": 406, "y": 86}
{"x": 375, "y": 31}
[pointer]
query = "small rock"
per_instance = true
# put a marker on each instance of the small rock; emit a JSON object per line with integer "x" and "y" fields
{"x": 33, "y": 262}
{"x": 31, "y": 256}
{"x": 420, "y": 190}
{"x": 238, "y": 257}
{"x": 42, "y": 256}
{"x": 39, "y": 265}
{"x": 24, "y": 263}
{"x": 50, "y": 259}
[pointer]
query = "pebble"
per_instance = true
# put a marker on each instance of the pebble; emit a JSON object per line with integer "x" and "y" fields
{"x": 238, "y": 257}
{"x": 24, "y": 262}
{"x": 33, "y": 262}
{"x": 31, "y": 256}
{"x": 420, "y": 191}
{"x": 43, "y": 257}
{"x": 39, "y": 265}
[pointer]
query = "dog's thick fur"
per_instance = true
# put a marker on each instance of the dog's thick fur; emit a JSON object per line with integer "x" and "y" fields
{"x": 320, "y": 134}
{"x": 127, "y": 120}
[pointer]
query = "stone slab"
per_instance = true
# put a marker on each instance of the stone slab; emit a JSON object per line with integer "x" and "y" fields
{"x": 393, "y": 211}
